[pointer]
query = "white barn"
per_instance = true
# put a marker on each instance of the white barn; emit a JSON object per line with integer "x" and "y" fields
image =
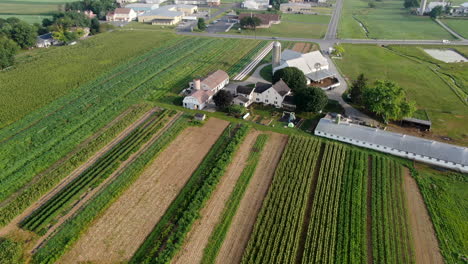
{"x": 203, "y": 90}
{"x": 415, "y": 148}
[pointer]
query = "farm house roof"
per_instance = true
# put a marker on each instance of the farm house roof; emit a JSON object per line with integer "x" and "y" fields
{"x": 319, "y": 75}
{"x": 215, "y": 79}
{"x": 304, "y": 62}
{"x": 281, "y": 87}
{"x": 401, "y": 142}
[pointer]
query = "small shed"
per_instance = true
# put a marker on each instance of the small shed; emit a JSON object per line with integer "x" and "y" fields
{"x": 199, "y": 117}
{"x": 424, "y": 125}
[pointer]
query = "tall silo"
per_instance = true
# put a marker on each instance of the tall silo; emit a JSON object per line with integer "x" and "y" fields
{"x": 276, "y": 54}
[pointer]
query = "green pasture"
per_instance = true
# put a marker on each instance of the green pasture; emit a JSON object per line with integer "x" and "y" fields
{"x": 291, "y": 26}
{"x": 42, "y": 75}
{"x": 414, "y": 71}
{"x": 28, "y": 18}
{"x": 388, "y": 20}
{"x": 458, "y": 25}
{"x": 447, "y": 202}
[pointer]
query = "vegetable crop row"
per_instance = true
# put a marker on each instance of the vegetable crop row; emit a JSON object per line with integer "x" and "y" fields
{"x": 276, "y": 233}
{"x": 168, "y": 235}
{"x": 40, "y": 219}
{"x": 33, "y": 190}
{"x": 232, "y": 204}
{"x": 68, "y": 233}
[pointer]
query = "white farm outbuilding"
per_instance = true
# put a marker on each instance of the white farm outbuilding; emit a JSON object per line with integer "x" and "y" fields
{"x": 414, "y": 148}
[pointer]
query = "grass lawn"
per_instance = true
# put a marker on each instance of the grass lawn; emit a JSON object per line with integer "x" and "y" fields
{"x": 458, "y": 25}
{"x": 389, "y": 20}
{"x": 447, "y": 201}
{"x": 448, "y": 113}
{"x": 27, "y": 9}
{"x": 292, "y": 26}
{"x": 28, "y": 18}
{"x": 57, "y": 70}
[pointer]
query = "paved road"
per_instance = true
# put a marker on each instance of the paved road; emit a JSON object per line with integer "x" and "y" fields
{"x": 450, "y": 30}
{"x": 334, "y": 21}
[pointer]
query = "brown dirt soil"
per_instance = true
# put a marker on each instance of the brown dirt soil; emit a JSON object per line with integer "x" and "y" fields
{"x": 298, "y": 47}
{"x": 426, "y": 247}
{"x": 242, "y": 224}
{"x": 115, "y": 236}
{"x": 13, "y": 225}
{"x": 88, "y": 195}
{"x": 197, "y": 239}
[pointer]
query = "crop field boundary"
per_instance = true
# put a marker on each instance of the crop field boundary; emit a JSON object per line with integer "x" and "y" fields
{"x": 308, "y": 212}
{"x": 80, "y": 147}
{"x": 89, "y": 195}
{"x": 370, "y": 258}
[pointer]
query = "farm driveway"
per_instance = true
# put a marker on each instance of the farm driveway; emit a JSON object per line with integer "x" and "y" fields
{"x": 425, "y": 243}
{"x": 197, "y": 239}
{"x": 115, "y": 236}
{"x": 238, "y": 235}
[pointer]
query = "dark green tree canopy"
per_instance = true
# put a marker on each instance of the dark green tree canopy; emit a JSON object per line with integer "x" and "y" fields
{"x": 388, "y": 100}
{"x": 310, "y": 99}
{"x": 250, "y": 22}
{"x": 223, "y": 99}
{"x": 292, "y": 76}
{"x": 99, "y": 7}
{"x": 357, "y": 88}
{"x": 19, "y": 31}
{"x": 436, "y": 12}
{"x": 411, "y": 3}
{"x": 201, "y": 24}
{"x": 8, "y": 49}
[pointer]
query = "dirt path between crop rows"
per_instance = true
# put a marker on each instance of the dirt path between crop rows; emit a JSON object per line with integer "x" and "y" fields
{"x": 426, "y": 247}
{"x": 13, "y": 225}
{"x": 197, "y": 238}
{"x": 68, "y": 156}
{"x": 370, "y": 257}
{"x": 242, "y": 224}
{"x": 115, "y": 236}
{"x": 88, "y": 195}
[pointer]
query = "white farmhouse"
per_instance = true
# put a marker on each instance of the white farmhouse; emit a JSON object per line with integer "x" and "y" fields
{"x": 271, "y": 94}
{"x": 202, "y": 90}
{"x": 122, "y": 15}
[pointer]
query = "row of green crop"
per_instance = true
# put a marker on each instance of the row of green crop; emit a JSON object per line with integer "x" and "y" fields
{"x": 168, "y": 235}
{"x": 351, "y": 244}
{"x": 276, "y": 234}
{"x": 40, "y": 219}
{"x": 446, "y": 199}
{"x": 321, "y": 233}
{"x": 219, "y": 233}
{"x": 41, "y": 185}
{"x": 47, "y": 141}
{"x": 235, "y": 69}
{"x": 67, "y": 234}
{"x": 391, "y": 240}
{"x": 94, "y": 105}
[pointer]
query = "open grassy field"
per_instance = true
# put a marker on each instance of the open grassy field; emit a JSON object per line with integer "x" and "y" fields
{"x": 447, "y": 201}
{"x": 55, "y": 71}
{"x": 292, "y": 26}
{"x": 388, "y": 20}
{"x": 28, "y": 18}
{"x": 431, "y": 90}
{"x": 458, "y": 25}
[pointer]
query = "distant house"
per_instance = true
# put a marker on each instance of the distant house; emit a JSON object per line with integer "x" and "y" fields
{"x": 46, "y": 40}
{"x": 140, "y": 8}
{"x": 121, "y": 15}
{"x": 431, "y": 6}
{"x": 266, "y": 19}
{"x": 297, "y": 8}
{"x": 198, "y": 2}
{"x": 256, "y": 4}
{"x": 167, "y": 15}
{"x": 88, "y": 13}
{"x": 203, "y": 90}
{"x": 199, "y": 117}
{"x": 461, "y": 10}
